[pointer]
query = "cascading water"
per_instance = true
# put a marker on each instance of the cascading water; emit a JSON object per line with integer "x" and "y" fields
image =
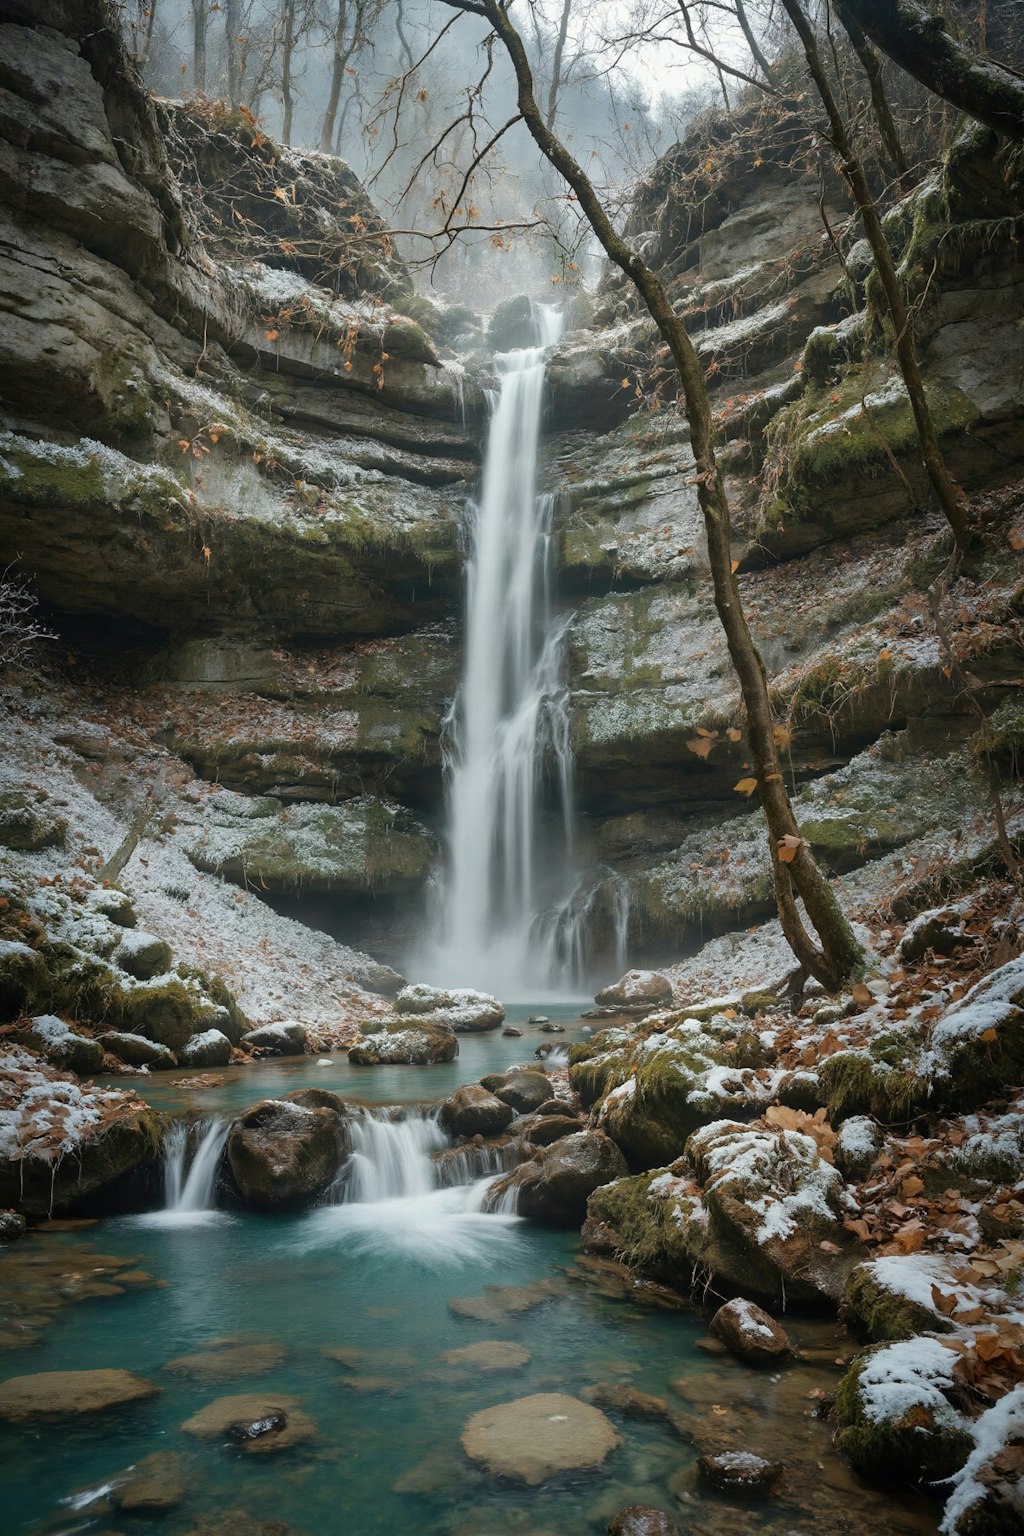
{"x": 190, "y": 1182}
{"x": 510, "y": 717}
{"x": 394, "y": 1200}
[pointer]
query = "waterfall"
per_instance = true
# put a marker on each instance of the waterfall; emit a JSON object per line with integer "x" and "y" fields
{"x": 190, "y": 1183}
{"x": 394, "y": 1200}
{"x": 510, "y": 719}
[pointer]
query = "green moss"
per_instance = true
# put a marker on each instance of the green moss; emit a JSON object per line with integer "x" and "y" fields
{"x": 878, "y": 1315}
{"x": 1007, "y": 733}
{"x": 650, "y": 1234}
{"x": 854, "y": 1084}
{"x": 921, "y": 1446}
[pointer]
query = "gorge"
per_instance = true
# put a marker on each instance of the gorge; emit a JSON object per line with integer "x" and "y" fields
{"x": 411, "y": 1114}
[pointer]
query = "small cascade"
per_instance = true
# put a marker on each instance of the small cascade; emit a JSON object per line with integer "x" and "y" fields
{"x": 192, "y": 1156}
{"x": 395, "y": 1200}
{"x": 507, "y": 736}
{"x": 593, "y": 922}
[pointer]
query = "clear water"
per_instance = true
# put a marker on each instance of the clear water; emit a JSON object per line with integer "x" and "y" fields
{"x": 375, "y": 1277}
{"x": 234, "y": 1088}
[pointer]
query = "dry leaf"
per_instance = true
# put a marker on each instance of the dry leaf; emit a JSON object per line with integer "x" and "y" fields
{"x": 745, "y": 786}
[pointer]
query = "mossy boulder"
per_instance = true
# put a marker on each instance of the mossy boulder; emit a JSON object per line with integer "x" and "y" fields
{"x": 977, "y": 1047}
{"x": 142, "y": 955}
{"x": 208, "y": 1049}
{"x": 61, "y": 1045}
{"x": 283, "y": 1154}
{"x": 652, "y": 1114}
{"x": 775, "y": 1215}
{"x": 26, "y": 825}
{"x": 898, "y": 1416}
{"x": 410, "y": 1042}
{"x": 889, "y": 1299}
{"x": 136, "y": 1050}
{"x": 854, "y": 1083}
{"x": 655, "y": 1221}
{"x": 286, "y": 1037}
{"x": 600, "y": 1063}
{"x": 472, "y": 1111}
{"x": 523, "y": 1089}
{"x": 461, "y": 1008}
{"x": 23, "y": 978}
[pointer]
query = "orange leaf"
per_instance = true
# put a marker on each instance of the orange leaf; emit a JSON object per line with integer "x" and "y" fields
{"x": 988, "y": 1035}
{"x": 271, "y": 335}
{"x": 734, "y": 733}
{"x": 745, "y": 787}
{"x": 700, "y": 746}
{"x": 861, "y": 995}
{"x": 789, "y": 846}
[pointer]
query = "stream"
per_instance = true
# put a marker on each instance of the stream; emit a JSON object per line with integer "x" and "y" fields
{"x": 354, "y": 1307}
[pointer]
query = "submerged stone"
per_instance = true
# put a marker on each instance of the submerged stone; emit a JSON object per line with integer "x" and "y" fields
{"x": 257, "y": 1423}
{"x": 638, "y": 1520}
{"x": 489, "y": 1355}
{"x": 64, "y": 1394}
{"x": 740, "y": 1472}
{"x": 535, "y": 1438}
{"x": 226, "y": 1360}
{"x": 153, "y": 1485}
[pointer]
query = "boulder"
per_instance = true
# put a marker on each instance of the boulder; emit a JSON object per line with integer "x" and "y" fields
{"x": 285, "y": 1038}
{"x": 636, "y": 992}
{"x": 523, "y": 1089}
{"x": 419, "y": 1045}
{"x": 894, "y": 1297}
{"x": 538, "y": 1437}
{"x": 152, "y": 1486}
{"x": 210, "y": 1049}
{"x": 977, "y": 1047}
{"x": 136, "y": 1050}
{"x": 857, "y": 1145}
{"x": 64, "y": 1141}
{"x": 61, "y": 1046}
{"x": 549, "y": 1128}
{"x": 472, "y": 1111}
{"x": 556, "y": 1187}
{"x": 26, "y": 826}
{"x": 740, "y": 1472}
{"x": 66, "y": 1394}
{"x": 463, "y": 1010}
{"x": 987, "y": 1496}
{"x": 774, "y": 1208}
{"x": 282, "y": 1154}
{"x": 22, "y": 978}
{"x": 750, "y": 1333}
{"x": 12, "y": 1226}
{"x": 638, "y": 1520}
{"x": 142, "y": 955}
{"x": 898, "y": 1416}
{"x": 255, "y": 1423}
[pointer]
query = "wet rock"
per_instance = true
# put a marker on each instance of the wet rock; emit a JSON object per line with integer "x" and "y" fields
{"x": 535, "y": 1438}
{"x": 223, "y": 1361}
{"x": 142, "y": 955}
{"x": 638, "y": 1520}
{"x": 556, "y": 1187}
{"x": 489, "y": 1355}
{"x": 137, "y": 1051}
{"x": 61, "y": 1046}
{"x": 210, "y": 1049}
{"x": 524, "y": 1090}
{"x": 636, "y": 992}
{"x": 286, "y": 1038}
{"x": 282, "y": 1155}
{"x": 497, "y": 1302}
{"x": 153, "y": 1485}
{"x": 65, "y": 1394}
{"x": 740, "y": 1472}
{"x": 372, "y": 976}
{"x": 616, "y": 1397}
{"x": 412, "y": 1043}
{"x": 472, "y": 1111}
{"x": 255, "y": 1423}
{"x": 550, "y": 1128}
{"x": 893, "y": 1297}
{"x": 513, "y": 324}
{"x": 12, "y": 1226}
{"x": 857, "y": 1145}
{"x": 510, "y": 1032}
{"x": 750, "y": 1333}
{"x": 465, "y": 1011}
{"x": 22, "y": 977}
{"x": 550, "y": 1028}
{"x": 538, "y": 1018}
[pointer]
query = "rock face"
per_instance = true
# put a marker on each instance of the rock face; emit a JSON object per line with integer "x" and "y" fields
{"x": 66, "y": 1394}
{"x": 535, "y": 1438}
{"x": 282, "y": 1154}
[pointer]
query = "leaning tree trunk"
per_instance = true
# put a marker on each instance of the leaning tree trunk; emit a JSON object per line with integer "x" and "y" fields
{"x": 200, "y": 19}
{"x": 337, "y": 77}
{"x": 946, "y": 493}
{"x": 872, "y": 67}
{"x": 795, "y": 871}
{"x": 921, "y": 43}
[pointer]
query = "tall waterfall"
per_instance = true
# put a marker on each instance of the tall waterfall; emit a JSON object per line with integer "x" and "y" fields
{"x": 510, "y": 718}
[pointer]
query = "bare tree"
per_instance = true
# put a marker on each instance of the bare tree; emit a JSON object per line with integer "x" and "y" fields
{"x": 837, "y": 953}
{"x": 232, "y": 35}
{"x": 200, "y": 23}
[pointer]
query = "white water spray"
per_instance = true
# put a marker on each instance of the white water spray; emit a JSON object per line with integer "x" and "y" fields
{"x": 190, "y": 1182}
{"x": 510, "y": 717}
{"x": 394, "y": 1201}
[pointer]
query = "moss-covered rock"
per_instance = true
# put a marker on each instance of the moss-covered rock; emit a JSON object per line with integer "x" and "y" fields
{"x": 655, "y": 1221}
{"x": 884, "y": 1300}
{"x": 408, "y": 1042}
{"x": 977, "y": 1047}
{"x": 26, "y": 825}
{"x": 556, "y": 1187}
{"x": 897, "y": 1414}
{"x": 23, "y": 978}
{"x": 651, "y": 1115}
{"x": 60, "y": 1045}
